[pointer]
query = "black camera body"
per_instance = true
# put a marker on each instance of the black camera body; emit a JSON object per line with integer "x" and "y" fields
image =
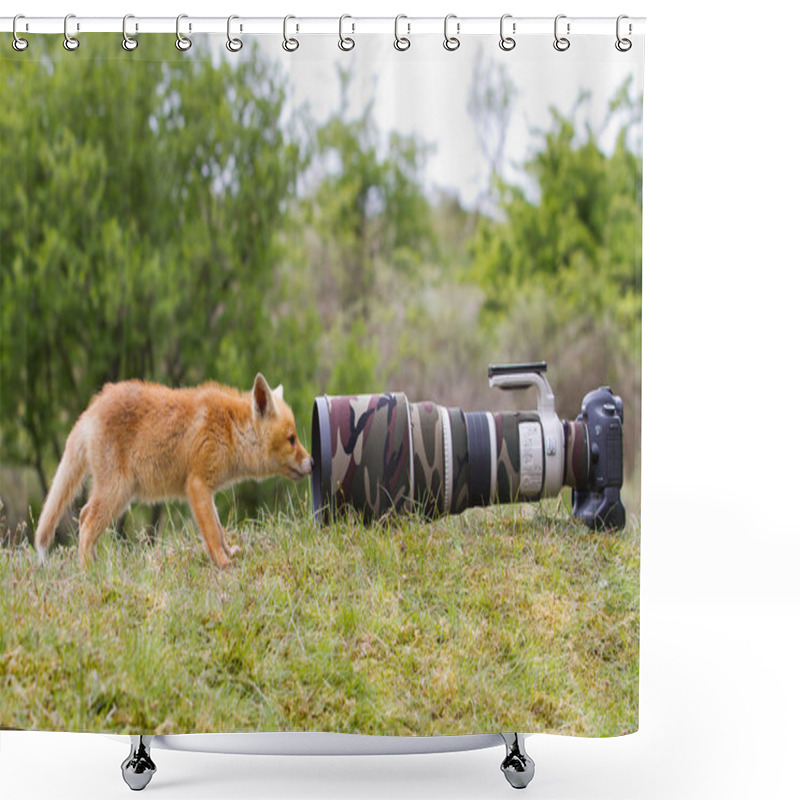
{"x": 596, "y": 501}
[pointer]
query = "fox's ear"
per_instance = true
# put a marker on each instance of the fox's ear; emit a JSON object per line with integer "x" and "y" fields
{"x": 262, "y": 397}
{"x": 278, "y": 392}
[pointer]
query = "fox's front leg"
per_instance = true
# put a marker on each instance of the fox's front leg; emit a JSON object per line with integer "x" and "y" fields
{"x": 231, "y": 551}
{"x": 201, "y": 501}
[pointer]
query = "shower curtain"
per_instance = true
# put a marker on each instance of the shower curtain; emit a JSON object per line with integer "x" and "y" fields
{"x": 343, "y": 214}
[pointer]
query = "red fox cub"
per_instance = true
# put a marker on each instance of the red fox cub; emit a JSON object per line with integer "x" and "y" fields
{"x": 148, "y": 442}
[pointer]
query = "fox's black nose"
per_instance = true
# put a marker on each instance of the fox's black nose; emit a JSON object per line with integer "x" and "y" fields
{"x": 312, "y": 462}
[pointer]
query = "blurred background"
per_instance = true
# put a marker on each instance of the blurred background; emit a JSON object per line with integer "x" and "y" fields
{"x": 204, "y": 216}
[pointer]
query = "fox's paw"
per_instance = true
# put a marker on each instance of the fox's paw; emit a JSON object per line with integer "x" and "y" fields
{"x": 230, "y": 550}
{"x": 221, "y": 560}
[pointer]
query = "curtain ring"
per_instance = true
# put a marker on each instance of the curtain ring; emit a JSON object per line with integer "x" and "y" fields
{"x": 127, "y": 42}
{"x": 289, "y": 44}
{"x": 561, "y": 43}
{"x": 70, "y": 42}
{"x": 506, "y": 42}
{"x": 183, "y": 43}
{"x": 18, "y": 43}
{"x": 401, "y": 43}
{"x": 234, "y": 45}
{"x": 623, "y": 45}
{"x": 345, "y": 42}
{"x": 451, "y": 43}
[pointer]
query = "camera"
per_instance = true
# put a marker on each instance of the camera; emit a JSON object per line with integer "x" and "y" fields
{"x": 380, "y": 453}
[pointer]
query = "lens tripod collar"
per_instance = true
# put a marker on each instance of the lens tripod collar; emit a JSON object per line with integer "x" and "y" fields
{"x": 526, "y": 376}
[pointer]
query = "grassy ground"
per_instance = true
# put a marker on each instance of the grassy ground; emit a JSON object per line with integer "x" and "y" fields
{"x": 507, "y": 619}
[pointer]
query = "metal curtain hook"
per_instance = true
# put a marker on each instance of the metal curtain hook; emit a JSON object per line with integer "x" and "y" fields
{"x": 561, "y": 43}
{"x": 233, "y": 45}
{"x": 183, "y": 43}
{"x": 127, "y": 42}
{"x": 401, "y": 42}
{"x": 623, "y": 45}
{"x": 451, "y": 42}
{"x": 289, "y": 44}
{"x": 506, "y": 42}
{"x": 70, "y": 42}
{"x": 18, "y": 43}
{"x": 345, "y": 42}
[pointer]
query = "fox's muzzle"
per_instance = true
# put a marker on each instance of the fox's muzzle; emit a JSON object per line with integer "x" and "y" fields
{"x": 303, "y": 469}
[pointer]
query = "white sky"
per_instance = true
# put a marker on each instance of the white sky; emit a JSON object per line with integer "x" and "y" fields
{"x": 424, "y": 91}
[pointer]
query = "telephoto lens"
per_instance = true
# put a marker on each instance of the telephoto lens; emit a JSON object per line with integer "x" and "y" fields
{"x": 379, "y": 453}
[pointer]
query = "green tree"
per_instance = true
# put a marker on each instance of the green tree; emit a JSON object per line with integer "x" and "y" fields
{"x": 145, "y": 225}
{"x": 561, "y": 271}
{"x": 575, "y": 230}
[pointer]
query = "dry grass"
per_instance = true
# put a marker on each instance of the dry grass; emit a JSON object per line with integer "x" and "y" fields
{"x": 508, "y": 619}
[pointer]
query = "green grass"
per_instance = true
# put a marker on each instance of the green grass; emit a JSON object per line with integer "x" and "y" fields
{"x": 506, "y": 619}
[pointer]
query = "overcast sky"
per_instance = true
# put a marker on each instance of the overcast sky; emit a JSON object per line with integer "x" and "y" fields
{"x": 424, "y": 91}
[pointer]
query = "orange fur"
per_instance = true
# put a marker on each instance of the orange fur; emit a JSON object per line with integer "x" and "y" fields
{"x": 148, "y": 442}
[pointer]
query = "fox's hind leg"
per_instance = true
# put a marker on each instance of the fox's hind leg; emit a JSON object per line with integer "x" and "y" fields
{"x": 99, "y": 513}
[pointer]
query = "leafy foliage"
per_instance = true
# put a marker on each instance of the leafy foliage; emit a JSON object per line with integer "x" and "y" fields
{"x": 180, "y": 220}
{"x": 581, "y": 240}
{"x": 142, "y": 238}
{"x": 561, "y": 271}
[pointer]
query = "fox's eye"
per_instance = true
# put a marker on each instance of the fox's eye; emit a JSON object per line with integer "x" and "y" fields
{"x": 292, "y": 439}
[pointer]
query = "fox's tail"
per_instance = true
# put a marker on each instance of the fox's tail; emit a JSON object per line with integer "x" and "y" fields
{"x": 68, "y": 479}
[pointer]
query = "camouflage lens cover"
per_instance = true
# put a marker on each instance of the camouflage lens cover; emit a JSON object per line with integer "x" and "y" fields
{"x": 517, "y": 479}
{"x": 369, "y": 440}
{"x": 379, "y": 453}
{"x": 460, "y": 461}
{"x": 427, "y": 426}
